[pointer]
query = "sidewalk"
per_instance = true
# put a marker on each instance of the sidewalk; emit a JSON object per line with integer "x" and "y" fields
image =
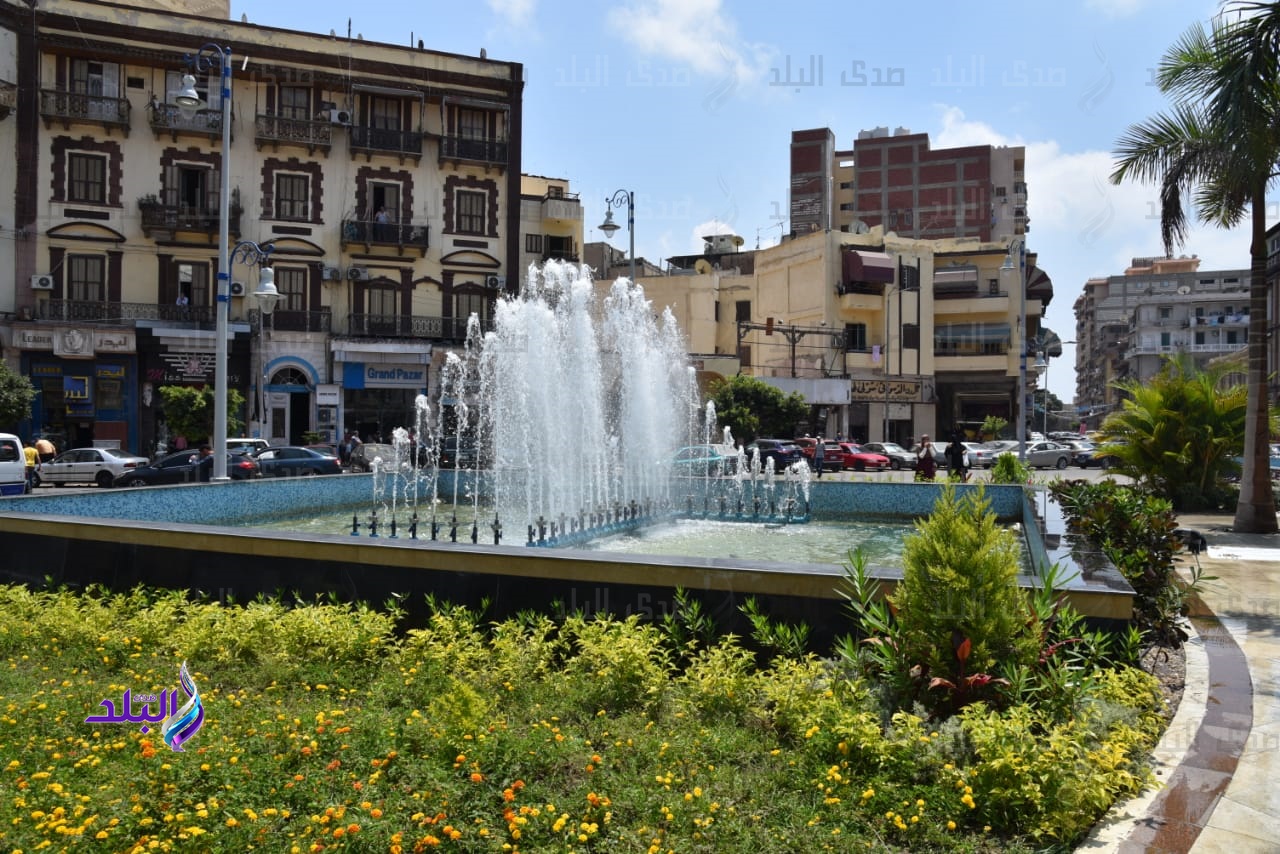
{"x": 1219, "y": 759}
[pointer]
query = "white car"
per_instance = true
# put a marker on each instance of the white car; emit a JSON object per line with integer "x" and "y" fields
{"x": 88, "y": 465}
{"x": 1043, "y": 455}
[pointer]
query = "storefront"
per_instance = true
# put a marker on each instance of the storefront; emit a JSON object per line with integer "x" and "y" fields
{"x": 86, "y": 381}
{"x": 380, "y": 384}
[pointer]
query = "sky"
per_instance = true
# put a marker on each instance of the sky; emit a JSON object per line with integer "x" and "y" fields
{"x": 690, "y": 104}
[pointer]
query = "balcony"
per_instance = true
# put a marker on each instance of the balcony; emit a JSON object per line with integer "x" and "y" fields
{"x": 401, "y": 235}
{"x": 8, "y": 98}
{"x": 164, "y": 222}
{"x": 408, "y": 326}
{"x": 303, "y": 133}
{"x": 284, "y": 320}
{"x": 401, "y": 143}
{"x": 860, "y": 298}
{"x": 167, "y": 118}
{"x": 566, "y": 208}
{"x": 124, "y": 313}
{"x": 490, "y": 152}
{"x": 75, "y": 108}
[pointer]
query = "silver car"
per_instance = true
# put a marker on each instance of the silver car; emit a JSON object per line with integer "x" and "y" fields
{"x": 899, "y": 457}
{"x": 88, "y": 465}
{"x": 1043, "y": 455}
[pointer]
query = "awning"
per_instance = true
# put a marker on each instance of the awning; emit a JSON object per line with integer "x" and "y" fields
{"x": 863, "y": 266}
{"x": 955, "y": 280}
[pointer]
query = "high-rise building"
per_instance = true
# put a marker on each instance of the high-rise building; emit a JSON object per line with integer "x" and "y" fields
{"x": 897, "y": 181}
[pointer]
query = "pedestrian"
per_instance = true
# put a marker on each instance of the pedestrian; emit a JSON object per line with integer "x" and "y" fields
{"x": 205, "y": 463}
{"x": 957, "y": 458}
{"x": 926, "y": 465}
{"x": 819, "y": 453}
{"x": 33, "y": 460}
{"x": 45, "y": 449}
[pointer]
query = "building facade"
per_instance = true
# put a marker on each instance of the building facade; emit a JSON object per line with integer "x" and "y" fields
{"x": 1127, "y": 325}
{"x": 385, "y": 180}
{"x": 896, "y": 181}
{"x": 550, "y": 223}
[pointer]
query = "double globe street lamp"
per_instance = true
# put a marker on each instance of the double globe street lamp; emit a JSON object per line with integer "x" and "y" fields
{"x": 247, "y": 251}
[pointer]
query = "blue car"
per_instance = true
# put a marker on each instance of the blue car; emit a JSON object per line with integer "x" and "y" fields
{"x": 705, "y": 461}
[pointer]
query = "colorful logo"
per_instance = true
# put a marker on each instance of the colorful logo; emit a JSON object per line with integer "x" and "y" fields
{"x": 177, "y": 725}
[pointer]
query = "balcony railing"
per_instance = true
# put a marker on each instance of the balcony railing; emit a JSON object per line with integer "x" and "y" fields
{"x": 405, "y": 143}
{"x": 285, "y": 320}
{"x": 69, "y": 107}
{"x": 566, "y": 207}
{"x": 170, "y": 218}
{"x": 398, "y": 234}
{"x": 123, "y": 313}
{"x": 278, "y": 130}
{"x": 407, "y": 326}
{"x": 167, "y": 118}
{"x": 491, "y": 151}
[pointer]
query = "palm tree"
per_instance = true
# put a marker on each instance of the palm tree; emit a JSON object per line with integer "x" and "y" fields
{"x": 1218, "y": 145}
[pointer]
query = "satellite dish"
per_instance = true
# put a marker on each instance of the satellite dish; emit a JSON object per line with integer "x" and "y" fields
{"x": 702, "y": 266}
{"x": 860, "y": 227}
{"x": 1184, "y": 289}
{"x": 737, "y": 241}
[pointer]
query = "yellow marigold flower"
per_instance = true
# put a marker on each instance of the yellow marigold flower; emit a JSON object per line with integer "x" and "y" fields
{"x": 101, "y": 834}
{"x": 231, "y": 822}
{"x": 951, "y": 825}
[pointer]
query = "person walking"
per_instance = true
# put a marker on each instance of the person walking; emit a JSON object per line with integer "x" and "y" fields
{"x": 33, "y": 460}
{"x": 819, "y": 453}
{"x": 957, "y": 456}
{"x": 45, "y": 449}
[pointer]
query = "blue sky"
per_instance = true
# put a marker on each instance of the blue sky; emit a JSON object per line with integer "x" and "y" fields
{"x": 691, "y": 105}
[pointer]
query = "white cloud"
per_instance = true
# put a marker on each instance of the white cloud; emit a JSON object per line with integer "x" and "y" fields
{"x": 514, "y": 13}
{"x": 698, "y": 33}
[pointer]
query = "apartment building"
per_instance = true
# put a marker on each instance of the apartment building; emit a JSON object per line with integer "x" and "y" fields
{"x": 1127, "y": 325}
{"x": 550, "y": 223}
{"x": 385, "y": 179}
{"x": 884, "y": 336}
{"x": 896, "y": 181}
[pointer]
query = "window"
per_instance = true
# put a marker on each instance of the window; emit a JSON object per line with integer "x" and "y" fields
{"x": 384, "y": 113}
{"x": 473, "y": 124}
{"x": 742, "y": 311}
{"x": 1165, "y": 339}
{"x": 554, "y": 192}
{"x": 193, "y": 283}
{"x": 1199, "y": 339}
{"x": 86, "y": 278}
{"x": 855, "y": 337}
{"x": 467, "y": 304}
{"x": 383, "y": 302}
{"x": 291, "y": 196}
{"x": 86, "y": 178}
{"x": 1001, "y": 191}
{"x": 295, "y": 102}
{"x": 533, "y": 243}
{"x": 717, "y": 312}
{"x": 1164, "y": 312}
{"x": 471, "y": 212}
{"x": 1233, "y": 336}
{"x": 292, "y": 284}
{"x": 910, "y": 336}
{"x": 744, "y": 355}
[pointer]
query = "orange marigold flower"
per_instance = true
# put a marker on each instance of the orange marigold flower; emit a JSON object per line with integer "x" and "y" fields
{"x": 477, "y": 777}
{"x": 353, "y": 828}
{"x": 375, "y": 812}
{"x": 333, "y": 765}
{"x": 306, "y": 751}
{"x": 508, "y": 794}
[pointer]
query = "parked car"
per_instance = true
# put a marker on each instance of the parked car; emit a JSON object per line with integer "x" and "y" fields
{"x": 979, "y": 457}
{"x": 1043, "y": 455}
{"x": 899, "y": 457}
{"x": 859, "y": 459}
{"x": 998, "y": 446}
{"x": 88, "y": 465}
{"x": 184, "y": 467}
{"x": 245, "y": 445}
{"x": 329, "y": 449}
{"x": 1081, "y": 453}
{"x": 458, "y": 453}
{"x": 832, "y": 456}
{"x": 363, "y": 456}
{"x": 939, "y": 453}
{"x": 705, "y": 461}
{"x": 783, "y": 452}
{"x": 295, "y": 461}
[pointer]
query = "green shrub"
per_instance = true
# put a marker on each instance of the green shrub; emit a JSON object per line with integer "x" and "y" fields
{"x": 1010, "y": 469}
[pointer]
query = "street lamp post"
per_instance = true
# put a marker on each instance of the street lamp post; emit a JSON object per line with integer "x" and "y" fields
{"x": 188, "y": 98}
{"x": 266, "y": 295}
{"x": 609, "y": 226}
{"x": 1021, "y": 267}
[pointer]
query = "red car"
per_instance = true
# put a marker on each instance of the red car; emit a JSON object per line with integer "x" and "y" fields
{"x": 859, "y": 460}
{"x": 832, "y": 455}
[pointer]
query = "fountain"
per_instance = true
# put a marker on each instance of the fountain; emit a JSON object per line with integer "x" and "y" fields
{"x": 577, "y": 407}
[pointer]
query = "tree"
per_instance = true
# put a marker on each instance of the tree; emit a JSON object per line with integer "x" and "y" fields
{"x": 752, "y": 408}
{"x": 189, "y": 411}
{"x": 16, "y": 396}
{"x": 1179, "y": 433}
{"x": 1217, "y": 145}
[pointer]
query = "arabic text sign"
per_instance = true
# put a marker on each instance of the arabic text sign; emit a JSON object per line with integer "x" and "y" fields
{"x": 178, "y": 723}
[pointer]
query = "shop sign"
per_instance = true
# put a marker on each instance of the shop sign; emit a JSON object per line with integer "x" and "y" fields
{"x": 395, "y": 376}
{"x": 872, "y": 391}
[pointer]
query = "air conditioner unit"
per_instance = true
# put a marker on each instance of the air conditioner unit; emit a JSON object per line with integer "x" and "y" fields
{"x": 331, "y": 274}
{"x": 237, "y": 289}
{"x": 495, "y": 281}
{"x": 358, "y": 274}
{"x": 340, "y": 117}
{"x": 42, "y": 282}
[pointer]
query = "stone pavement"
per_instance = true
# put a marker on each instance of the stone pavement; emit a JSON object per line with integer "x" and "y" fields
{"x": 1218, "y": 761}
